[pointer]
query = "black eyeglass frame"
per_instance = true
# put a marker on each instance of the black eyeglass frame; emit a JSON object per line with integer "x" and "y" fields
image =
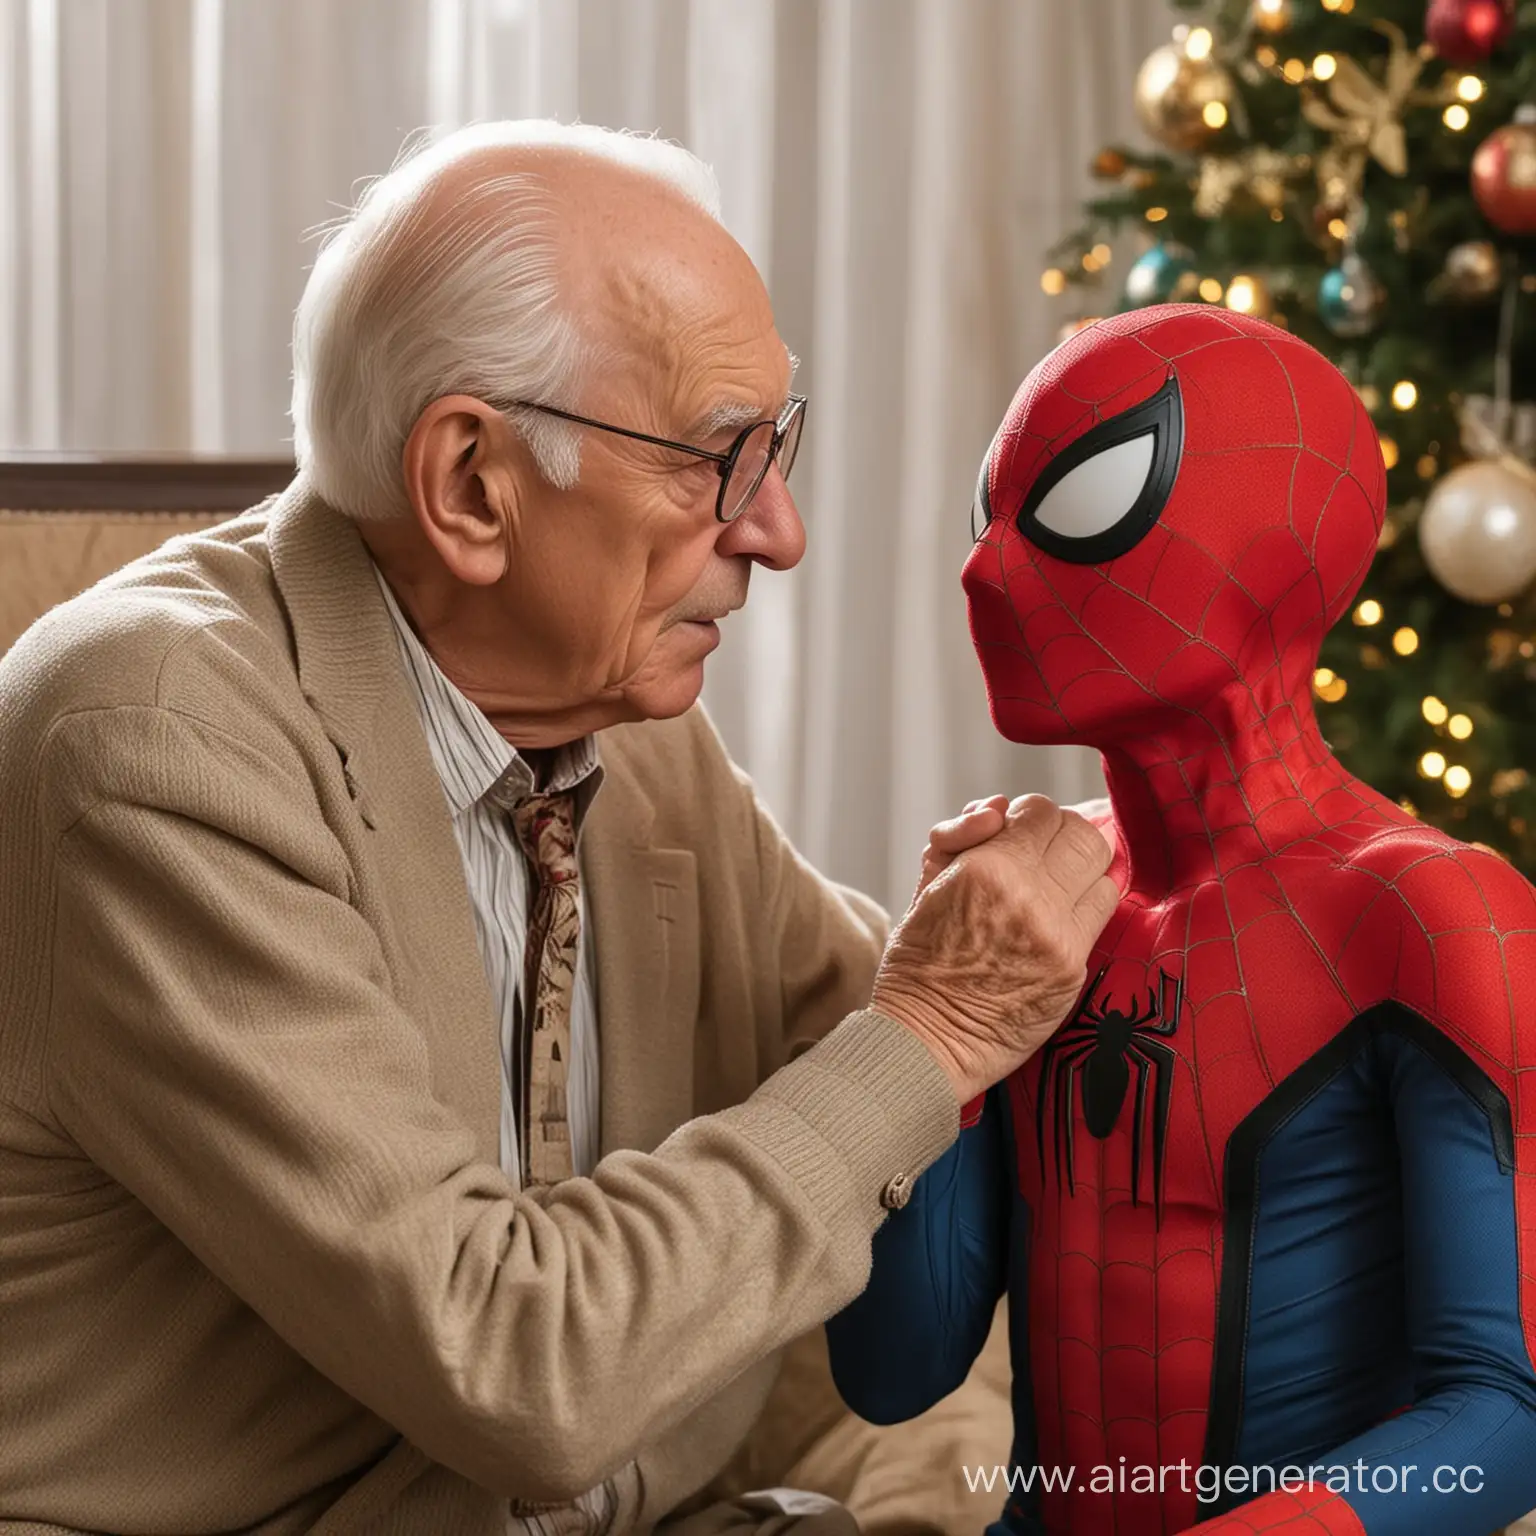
{"x": 794, "y": 408}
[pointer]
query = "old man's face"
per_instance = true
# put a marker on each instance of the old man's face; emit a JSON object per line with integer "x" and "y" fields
{"x": 630, "y": 574}
{"x": 563, "y": 609}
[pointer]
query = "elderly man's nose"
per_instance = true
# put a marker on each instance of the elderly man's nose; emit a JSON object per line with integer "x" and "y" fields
{"x": 770, "y": 530}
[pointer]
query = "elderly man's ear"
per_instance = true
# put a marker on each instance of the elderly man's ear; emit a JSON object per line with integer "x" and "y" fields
{"x": 463, "y": 476}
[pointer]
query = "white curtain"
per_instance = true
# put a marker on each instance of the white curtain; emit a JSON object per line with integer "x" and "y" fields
{"x": 897, "y": 169}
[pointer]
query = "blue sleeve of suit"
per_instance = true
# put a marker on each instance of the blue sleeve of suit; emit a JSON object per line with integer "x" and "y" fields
{"x": 1461, "y": 1458}
{"x": 939, "y": 1268}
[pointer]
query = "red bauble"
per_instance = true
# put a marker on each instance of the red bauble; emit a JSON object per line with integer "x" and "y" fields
{"x": 1504, "y": 175}
{"x": 1467, "y": 31}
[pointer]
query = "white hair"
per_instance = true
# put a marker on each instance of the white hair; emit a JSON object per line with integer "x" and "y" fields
{"x": 400, "y": 311}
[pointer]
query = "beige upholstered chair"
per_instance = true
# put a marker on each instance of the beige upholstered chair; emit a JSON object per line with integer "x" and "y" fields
{"x": 65, "y": 522}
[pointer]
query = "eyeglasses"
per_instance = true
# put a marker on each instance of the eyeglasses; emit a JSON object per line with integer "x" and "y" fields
{"x": 743, "y": 466}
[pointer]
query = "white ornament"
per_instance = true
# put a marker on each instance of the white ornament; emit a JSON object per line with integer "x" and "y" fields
{"x": 1478, "y": 530}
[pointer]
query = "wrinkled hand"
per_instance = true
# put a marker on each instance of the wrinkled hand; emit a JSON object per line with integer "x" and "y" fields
{"x": 980, "y": 820}
{"x": 994, "y": 949}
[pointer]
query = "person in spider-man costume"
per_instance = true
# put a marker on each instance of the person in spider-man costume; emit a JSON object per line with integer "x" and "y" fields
{"x": 1265, "y": 1207}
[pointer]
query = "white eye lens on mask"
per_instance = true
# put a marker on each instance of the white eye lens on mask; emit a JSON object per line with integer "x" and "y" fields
{"x": 1099, "y": 497}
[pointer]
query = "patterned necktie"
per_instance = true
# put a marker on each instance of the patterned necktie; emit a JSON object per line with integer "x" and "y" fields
{"x": 546, "y": 828}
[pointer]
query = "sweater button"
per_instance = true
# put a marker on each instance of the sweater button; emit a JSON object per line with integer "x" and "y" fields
{"x": 897, "y": 1192}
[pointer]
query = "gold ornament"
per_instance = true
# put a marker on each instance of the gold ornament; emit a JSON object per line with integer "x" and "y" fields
{"x": 1473, "y": 271}
{"x": 1109, "y": 165}
{"x": 1365, "y": 115}
{"x": 1262, "y": 173}
{"x": 1177, "y": 96}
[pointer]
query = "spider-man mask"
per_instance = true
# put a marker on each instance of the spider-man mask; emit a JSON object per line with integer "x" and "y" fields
{"x": 1177, "y": 506}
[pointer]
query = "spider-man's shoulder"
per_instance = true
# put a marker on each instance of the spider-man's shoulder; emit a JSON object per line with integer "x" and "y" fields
{"x": 1444, "y": 881}
{"x": 1466, "y": 920}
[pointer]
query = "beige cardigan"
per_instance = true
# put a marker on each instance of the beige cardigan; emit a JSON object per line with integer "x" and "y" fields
{"x": 258, "y": 1267}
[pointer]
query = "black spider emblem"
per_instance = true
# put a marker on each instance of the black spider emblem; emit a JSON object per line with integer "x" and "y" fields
{"x": 1105, "y": 1045}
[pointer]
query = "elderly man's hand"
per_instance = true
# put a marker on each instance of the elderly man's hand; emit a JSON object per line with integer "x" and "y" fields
{"x": 994, "y": 948}
{"x": 980, "y": 820}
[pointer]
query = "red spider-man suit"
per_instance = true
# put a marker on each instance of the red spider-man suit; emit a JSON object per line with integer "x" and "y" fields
{"x": 1263, "y": 1209}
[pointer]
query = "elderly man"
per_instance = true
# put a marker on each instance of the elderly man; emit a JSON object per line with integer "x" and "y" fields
{"x": 371, "y": 1160}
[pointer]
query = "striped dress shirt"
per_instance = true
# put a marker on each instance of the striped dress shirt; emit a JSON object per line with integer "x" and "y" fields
{"x": 483, "y": 776}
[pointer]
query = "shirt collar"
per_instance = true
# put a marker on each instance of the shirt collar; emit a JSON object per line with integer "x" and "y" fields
{"x": 474, "y": 760}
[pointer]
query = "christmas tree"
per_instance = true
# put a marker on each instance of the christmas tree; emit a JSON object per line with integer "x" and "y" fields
{"x": 1363, "y": 173}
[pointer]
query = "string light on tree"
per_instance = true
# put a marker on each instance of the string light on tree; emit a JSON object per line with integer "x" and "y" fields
{"x": 1324, "y": 67}
{"x": 1405, "y": 394}
{"x": 1328, "y": 685}
{"x": 1456, "y": 117}
{"x": 1432, "y": 765}
{"x": 1460, "y": 726}
{"x": 1367, "y": 613}
{"x": 1457, "y": 781}
{"x": 1271, "y": 15}
{"x": 1247, "y": 295}
{"x": 1405, "y": 641}
{"x": 1434, "y": 710}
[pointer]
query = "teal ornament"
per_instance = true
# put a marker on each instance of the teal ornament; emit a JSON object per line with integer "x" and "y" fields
{"x": 1351, "y": 299}
{"x": 1163, "y": 273}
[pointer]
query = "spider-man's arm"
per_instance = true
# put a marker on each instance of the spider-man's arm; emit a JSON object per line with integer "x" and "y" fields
{"x": 1466, "y": 1134}
{"x": 939, "y": 1269}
